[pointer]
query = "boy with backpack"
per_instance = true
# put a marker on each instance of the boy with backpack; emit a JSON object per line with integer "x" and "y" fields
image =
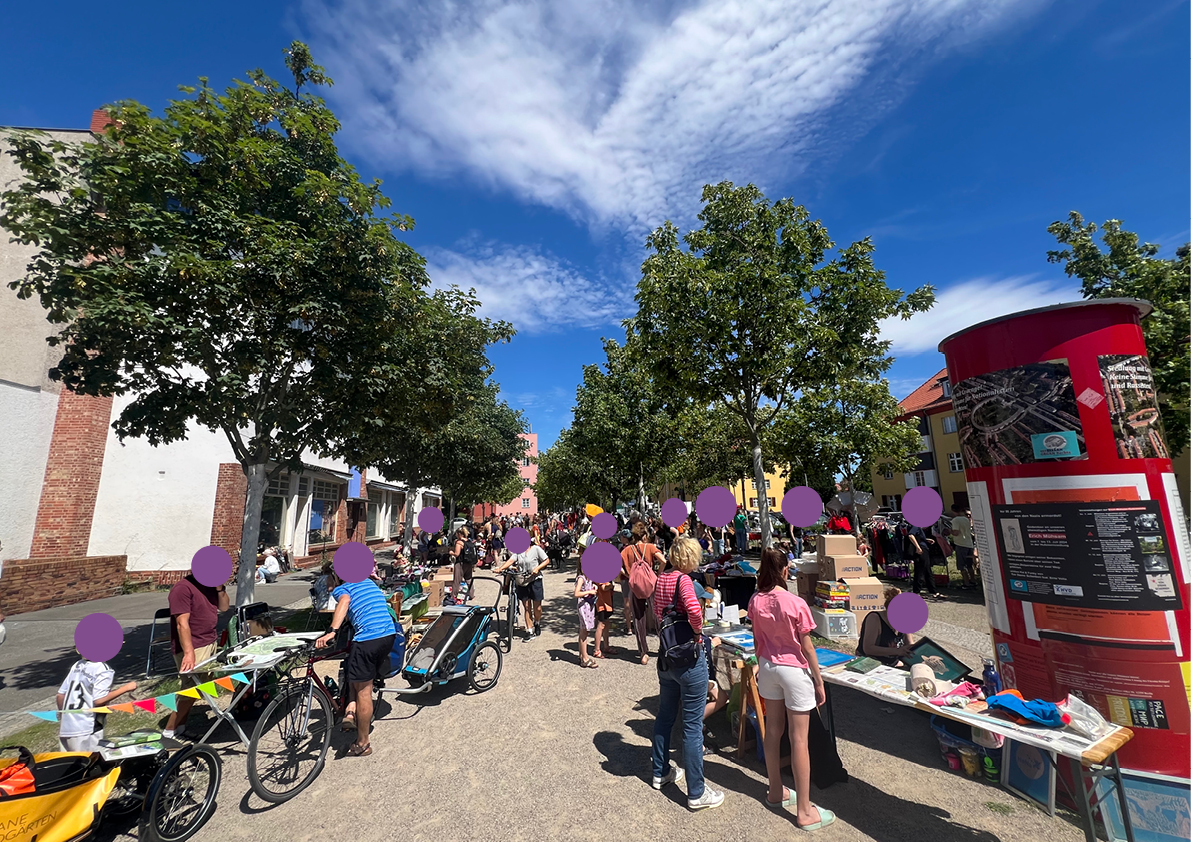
{"x": 87, "y": 685}
{"x": 465, "y": 556}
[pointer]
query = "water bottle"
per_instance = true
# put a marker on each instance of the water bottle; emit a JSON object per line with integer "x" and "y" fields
{"x": 992, "y": 679}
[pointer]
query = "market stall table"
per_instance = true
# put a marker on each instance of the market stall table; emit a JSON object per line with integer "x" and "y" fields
{"x": 250, "y": 658}
{"x": 1090, "y": 760}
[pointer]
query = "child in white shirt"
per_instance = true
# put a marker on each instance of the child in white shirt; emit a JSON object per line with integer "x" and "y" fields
{"x": 87, "y": 685}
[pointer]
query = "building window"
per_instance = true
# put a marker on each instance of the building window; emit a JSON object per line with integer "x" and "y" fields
{"x": 949, "y": 424}
{"x": 946, "y": 388}
{"x": 525, "y": 481}
{"x": 524, "y": 461}
{"x": 770, "y": 501}
{"x": 919, "y": 479}
{"x": 888, "y": 474}
{"x": 525, "y": 502}
{"x": 372, "y": 521}
{"x": 323, "y": 510}
{"x": 753, "y": 483}
{"x": 956, "y": 462}
{"x": 273, "y": 510}
{"x": 892, "y": 501}
{"x": 396, "y": 510}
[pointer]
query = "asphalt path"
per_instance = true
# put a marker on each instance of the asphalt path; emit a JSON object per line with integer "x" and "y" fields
{"x": 559, "y": 752}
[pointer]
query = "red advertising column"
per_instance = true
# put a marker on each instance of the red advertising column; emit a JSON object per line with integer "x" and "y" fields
{"x": 1082, "y": 538}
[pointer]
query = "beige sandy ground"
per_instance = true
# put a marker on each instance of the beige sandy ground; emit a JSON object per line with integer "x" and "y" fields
{"x": 558, "y": 752}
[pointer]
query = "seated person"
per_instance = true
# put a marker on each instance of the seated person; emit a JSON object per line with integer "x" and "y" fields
{"x": 321, "y": 591}
{"x": 879, "y": 640}
{"x": 268, "y": 568}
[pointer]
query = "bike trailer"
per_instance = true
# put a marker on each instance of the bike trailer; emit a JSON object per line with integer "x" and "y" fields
{"x": 445, "y": 649}
{"x": 68, "y": 792}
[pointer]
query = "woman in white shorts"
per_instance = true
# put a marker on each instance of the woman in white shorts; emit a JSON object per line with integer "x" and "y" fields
{"x": 788, "y": 679}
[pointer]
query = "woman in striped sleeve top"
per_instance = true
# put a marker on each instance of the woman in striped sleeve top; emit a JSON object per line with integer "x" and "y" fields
{"x": 682, "y": 688}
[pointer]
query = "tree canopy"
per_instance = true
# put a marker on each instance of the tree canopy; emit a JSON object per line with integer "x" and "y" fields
{"x": 752, "y": 312}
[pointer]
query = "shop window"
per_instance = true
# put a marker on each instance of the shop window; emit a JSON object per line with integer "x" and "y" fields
{"x": 324, "y": 509}
{"x": 372, "y": 521}
{"x": 956, "y": 462}
{"x": 949, "y": 424}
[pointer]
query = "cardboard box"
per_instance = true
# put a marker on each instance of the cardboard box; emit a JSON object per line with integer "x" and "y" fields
{"x": 807, "y": 579}
{"x": 866, "y": 594}
{"x": 434, "y": 593}
{"x": 835, "y": 545}
{"x": 843, "y": 567}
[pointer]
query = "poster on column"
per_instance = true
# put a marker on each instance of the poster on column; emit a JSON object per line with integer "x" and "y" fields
{"x": 1016, "y": 416}
{"x": 1133, "y": 406}
{"x": 1128, "y": 691}
{"x": 1088, "y": 555}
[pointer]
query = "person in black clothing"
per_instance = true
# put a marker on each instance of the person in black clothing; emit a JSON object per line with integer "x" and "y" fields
{"x": 917, "y": 551}
{"x": 881, "y": 641}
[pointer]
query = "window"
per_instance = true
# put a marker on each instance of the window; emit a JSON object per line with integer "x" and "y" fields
{"x": 888, "y": 474}
{"x": 771, "y": 500}
{"x": 323, "y": 510}
{"x": 525, "y": 502}
{"x": 525, "y": 482}
{"x": 372, "y": 520}
{"x": 524, "y": 461}
{"x": 946, "y": 388}
{"x": 949, "y": 424}
{"x": 956, "y": 462}
{"x": 892, "y": 501}
{"x": 919, "y": 478}
{"x": 273, "y": 510}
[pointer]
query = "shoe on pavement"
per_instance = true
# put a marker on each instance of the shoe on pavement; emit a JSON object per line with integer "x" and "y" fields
{"x": 175, "y": 733}
{"x": 709, "y": 798}
{"x": 675, "y": 775}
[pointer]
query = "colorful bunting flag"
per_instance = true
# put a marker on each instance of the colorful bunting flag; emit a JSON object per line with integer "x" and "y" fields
{"x": 241, "y": 677}
{"x": 167, "y": 701}
{"x": 47, "y": 715}
{"x": 147, "y": 704}
{"x": 190, "y": 693}
{"x": 97, "y": 710}
{"x": 126, "y": 707}
{"x": 209, "y": 688}
{"x": 225, "y": 683}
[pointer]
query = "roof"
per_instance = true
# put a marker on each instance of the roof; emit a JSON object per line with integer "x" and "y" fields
{"x": 928, "y": 397}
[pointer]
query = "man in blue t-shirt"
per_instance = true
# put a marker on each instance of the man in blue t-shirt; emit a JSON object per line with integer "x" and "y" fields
{"x": 363, "y": 605}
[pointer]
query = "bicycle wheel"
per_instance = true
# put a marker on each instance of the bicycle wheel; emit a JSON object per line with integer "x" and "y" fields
{"x": 289, "y": 744}
{"x": 484, "y": 670}
{"x": 506, "y": 640}
{"x": 182, "y": 796}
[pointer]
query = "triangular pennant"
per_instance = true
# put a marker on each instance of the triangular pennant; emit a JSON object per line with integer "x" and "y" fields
{"x": 209, "y": 688}
{"x": 167, "y": 701}
{"x": 189, "y": 692}
{"x": 126, "y": 707}
{"x": 241, "y": 677}
{"x": 101, "y": 710}
{"x": 146, "y": 704}
{"x": 47, "y": 715}
{"x": 225, "y": 683}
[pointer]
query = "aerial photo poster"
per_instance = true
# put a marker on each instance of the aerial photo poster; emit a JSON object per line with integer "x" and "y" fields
{"x": 1019, "y": 415}
{"x": 1133, "y": 406}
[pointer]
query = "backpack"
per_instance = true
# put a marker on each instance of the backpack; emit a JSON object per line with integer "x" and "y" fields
{"x": 469, "y": 554}
{"x": 642, "y": 579}
{"x": 678, "y": 648}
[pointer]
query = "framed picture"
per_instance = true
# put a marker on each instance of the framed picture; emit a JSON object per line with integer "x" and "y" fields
{"x": 1159, "y": 807}
{"x": 1030, "y": 773}
{"x": 944, "y": 665}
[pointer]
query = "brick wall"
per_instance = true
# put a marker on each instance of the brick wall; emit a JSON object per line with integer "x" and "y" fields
{"x": 231, "y": 491}
{"x": 72, "y": 471}
{"x": 31, "y": 584}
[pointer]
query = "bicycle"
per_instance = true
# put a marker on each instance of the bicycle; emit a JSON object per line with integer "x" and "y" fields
{"x": 512, "y": 609}
{"x": 295, "y": 728}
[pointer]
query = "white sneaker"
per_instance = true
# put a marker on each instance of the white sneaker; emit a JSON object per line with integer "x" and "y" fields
{"x": 675, "y": 775}
{"x": 709, "y": 798}
{"x": 176, "y": 733}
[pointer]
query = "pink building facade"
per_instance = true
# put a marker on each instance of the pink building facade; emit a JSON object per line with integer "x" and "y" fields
{"x": 527, "y": 503}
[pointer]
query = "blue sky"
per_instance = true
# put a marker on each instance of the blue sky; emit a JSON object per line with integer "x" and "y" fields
{"x": 537, "y": 144}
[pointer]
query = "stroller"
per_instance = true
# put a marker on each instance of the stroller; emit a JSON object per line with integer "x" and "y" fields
{"x": 455, "y": 645}
{"x": 558, "y": 546}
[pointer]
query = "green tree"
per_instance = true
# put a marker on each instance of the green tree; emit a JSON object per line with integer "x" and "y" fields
{"x": 223, "y": 264}
{"x": 845, "y": 427}
{"x": 752, "y": 312}
{"x": 1132, "y": 269}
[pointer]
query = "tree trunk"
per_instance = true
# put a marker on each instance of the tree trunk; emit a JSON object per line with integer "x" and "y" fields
{"x": 451, "y": 522}
{"x": 250, "y": 532}
{"x": 641, "y": 489}
{"x": 762, "y": 491}
{"x": 409, "y": 522}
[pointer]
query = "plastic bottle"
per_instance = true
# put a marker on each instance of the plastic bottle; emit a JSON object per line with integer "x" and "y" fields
{"x": 992, "y": 679}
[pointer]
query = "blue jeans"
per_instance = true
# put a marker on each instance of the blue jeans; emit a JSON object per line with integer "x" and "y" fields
{"x": 684, "y": 688}
{"x": 797, "y": 548}
{"x": 742, "y": 541}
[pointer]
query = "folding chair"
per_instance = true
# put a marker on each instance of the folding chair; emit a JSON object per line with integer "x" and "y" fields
{"x": 158, "y": 639}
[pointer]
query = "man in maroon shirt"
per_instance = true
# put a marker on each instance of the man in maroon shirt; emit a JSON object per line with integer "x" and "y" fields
{"x": 194, "y": 615}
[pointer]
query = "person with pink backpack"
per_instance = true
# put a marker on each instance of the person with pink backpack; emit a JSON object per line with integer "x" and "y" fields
{"x": 640, "y": 562}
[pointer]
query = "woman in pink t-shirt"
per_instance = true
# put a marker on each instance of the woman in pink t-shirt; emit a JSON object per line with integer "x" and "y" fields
{"x": 788, "y": 678}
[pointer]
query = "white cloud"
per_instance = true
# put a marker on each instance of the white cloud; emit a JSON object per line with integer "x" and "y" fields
{"x": 534, "y": 290}
{"x": 970, "y": 302}
{"x": 616, "y": 112}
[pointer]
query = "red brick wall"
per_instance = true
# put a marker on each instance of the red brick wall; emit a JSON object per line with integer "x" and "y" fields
{"x": 31, "y": 584}
{"x": 231, "y": 491}
{"x": 72, "y": 471}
